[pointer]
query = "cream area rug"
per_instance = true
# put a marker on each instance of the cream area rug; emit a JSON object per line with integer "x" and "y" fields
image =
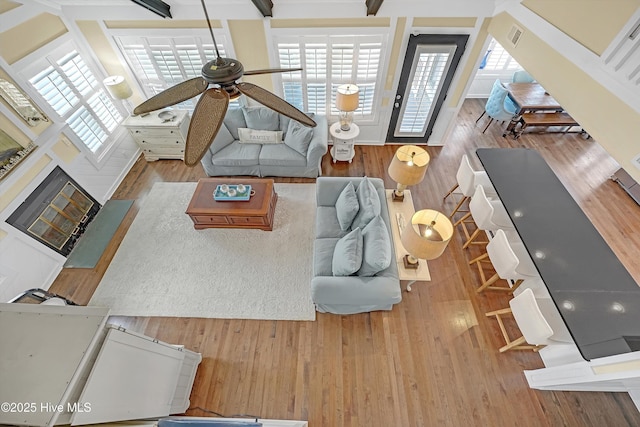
{"x": 164, "y": 267}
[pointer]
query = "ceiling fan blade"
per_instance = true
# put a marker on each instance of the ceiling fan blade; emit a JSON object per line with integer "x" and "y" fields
{"x": 274, "y": 102}
{"x": 205, "y": 123}
{"x": 271, "y": 70}
{"x": 174, "y": 95}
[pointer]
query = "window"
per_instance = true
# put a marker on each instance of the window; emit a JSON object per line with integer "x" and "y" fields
{"x": 71, "y": 89}
{"x": 498, "y": 59}
{"x": 160, "y": 62}
{"x": 327, "y": 62}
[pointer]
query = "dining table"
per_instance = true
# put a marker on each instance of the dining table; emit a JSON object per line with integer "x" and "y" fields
{"x": 597, "y": 298}
{"x": 529, "y": 97}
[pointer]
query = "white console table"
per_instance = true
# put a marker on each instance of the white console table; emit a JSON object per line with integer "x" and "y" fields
{"x": 401, "y": 212}
{"x": 65, "y": 365}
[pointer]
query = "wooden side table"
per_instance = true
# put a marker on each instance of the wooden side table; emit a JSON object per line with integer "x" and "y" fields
{"x": 401, "y": 213}
{"x": 343, "y": 142}
{"x": 205, "y": 212}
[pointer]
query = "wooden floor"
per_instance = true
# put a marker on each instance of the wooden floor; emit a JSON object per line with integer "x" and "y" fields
{"x": 432, "y": 360}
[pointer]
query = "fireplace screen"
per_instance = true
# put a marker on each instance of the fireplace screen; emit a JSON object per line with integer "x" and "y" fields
{"x": 56, "y": 213}
{"x": 61, "y": 218}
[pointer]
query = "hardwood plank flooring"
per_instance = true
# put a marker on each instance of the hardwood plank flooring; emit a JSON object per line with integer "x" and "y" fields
{"x": 433, "y": 359}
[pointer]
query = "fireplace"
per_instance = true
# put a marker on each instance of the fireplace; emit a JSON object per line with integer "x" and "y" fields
{"x": 56, "y": 213}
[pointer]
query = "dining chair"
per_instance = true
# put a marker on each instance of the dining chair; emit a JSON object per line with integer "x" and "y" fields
{"x": 487, "y": 215}
{"x": 509, "y": 259}
{"x": 497, "y": 107}
{"x": 467, "y": 180}
{"x": 538, "y": 320}
{"x": 521, "y": 76}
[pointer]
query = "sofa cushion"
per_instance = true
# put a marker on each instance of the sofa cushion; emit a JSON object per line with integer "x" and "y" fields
{"x": 222, "y": 139}
{"x": 323, "y": 256}
{"x": 298, "y": 137}
{"x": 261, "y": 118}
{"x": 376, "y": 248}
{"x": 369, "y": 202}
{"x": 237, "y": 154}
{"x": 281, "y": 155}
{"x": 327, "y": 224}
{"x": 234, "y": 119}
{"x": 347, "y": 206}
{"x": 347, "y": 255}
{"x": 254, "y": 136}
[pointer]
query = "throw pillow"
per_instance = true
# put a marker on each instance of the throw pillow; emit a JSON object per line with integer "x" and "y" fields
{"x": 233, "y": 120}
{"x": 347, "y": 206}
{"x": 347, "y": 255}
{"x": 369, "y": 202}
{"x": 254, "y": 136}
{"x": 376, "y": 248}
{"x": 261, "y": 118}
{"x": 298, "y": 137}
{"x": 222, "y": 139}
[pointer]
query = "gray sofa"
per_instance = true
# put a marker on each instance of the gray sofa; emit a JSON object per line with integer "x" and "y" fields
{"x": 299, "y": 155}
{"x": 348, "y": 294}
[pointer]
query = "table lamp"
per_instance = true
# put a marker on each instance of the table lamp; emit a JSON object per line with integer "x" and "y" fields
{"x": 426, "y": 237}
{"x": 347, "y": 99}
{"x": 118, "y": 88}
{"x": 407, "y": 167}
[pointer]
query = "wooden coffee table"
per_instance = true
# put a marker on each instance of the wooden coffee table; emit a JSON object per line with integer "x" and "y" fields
{"x": 257, "y": 212}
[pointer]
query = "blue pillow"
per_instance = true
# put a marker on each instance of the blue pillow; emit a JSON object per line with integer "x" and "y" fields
{"x": 347, "y": 206}
{"x": 261, "y": 118}
{"x": 347, "y": 255}
{"x": 233, "y": 120}
{"x": 298, "y": 137}
{"x": 376, "y": 248}
{"x": 369, "y": 202}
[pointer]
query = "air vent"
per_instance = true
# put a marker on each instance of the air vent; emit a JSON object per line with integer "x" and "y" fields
{"x": 514, "y": 35}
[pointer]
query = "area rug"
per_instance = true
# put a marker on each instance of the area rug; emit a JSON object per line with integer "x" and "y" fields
{"x": 164, "y": 267}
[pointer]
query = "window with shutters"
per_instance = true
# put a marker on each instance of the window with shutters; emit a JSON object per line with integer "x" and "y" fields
{"x": 498, "y": 59}
{"x": 327, "y": 62}
{"x": 161, "y": 62}
{"x": 70, "y": 87}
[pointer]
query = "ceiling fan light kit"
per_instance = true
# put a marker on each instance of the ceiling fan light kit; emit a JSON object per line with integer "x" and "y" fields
{"x": 210, "y": 110}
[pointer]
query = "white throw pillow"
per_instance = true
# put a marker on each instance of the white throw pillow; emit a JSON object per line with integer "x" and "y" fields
{"x": 254, "y": 136}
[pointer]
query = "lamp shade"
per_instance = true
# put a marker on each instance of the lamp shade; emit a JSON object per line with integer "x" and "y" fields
{"x": 428, "y": 234}
{"x": 347, "y": 97}
{"x": 409, "y": 165}
{"x": 118, "y": 87}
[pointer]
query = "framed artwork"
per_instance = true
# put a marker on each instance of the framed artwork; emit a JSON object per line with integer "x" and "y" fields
{"x": 11, "y": 153}
{"x": 20, "y": 102}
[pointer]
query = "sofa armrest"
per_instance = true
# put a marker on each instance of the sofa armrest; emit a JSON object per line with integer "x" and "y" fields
{"x": 355, "y": 290}
{"x": 320, "y": 142}
{"x": 328, "y": 188}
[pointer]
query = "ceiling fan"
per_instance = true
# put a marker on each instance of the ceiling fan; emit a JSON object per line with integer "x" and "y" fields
{"x": 210, "y": 110}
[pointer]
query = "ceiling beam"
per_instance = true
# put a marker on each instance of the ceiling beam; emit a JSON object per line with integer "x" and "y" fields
{"x": 373, "y": 6}
{"x": 264, "y": 6}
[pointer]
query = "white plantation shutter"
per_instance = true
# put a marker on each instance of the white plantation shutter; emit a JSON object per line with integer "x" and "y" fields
{"x": 161, "y": 62}
{"x": 499, "y": 59}
{"x": 71, "y": 89}
{"x": 424, "y": 86}
{"x": 327, "y": 62}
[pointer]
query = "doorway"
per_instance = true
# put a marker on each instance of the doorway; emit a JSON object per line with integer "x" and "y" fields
{"x": 429, "y": 65}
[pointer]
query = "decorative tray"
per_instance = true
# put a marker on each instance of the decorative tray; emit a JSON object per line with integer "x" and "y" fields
{"x": 219, "y": 196}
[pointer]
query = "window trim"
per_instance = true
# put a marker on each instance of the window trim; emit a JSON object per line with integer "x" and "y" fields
{"x": 221, "y": 34}
{"x": 292, "y": 35}
{"x": 36, "y": 62}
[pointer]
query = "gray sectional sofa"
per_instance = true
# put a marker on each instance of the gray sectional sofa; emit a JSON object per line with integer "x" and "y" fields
{"x": 298, "y": 155}
{"x": 340, "y": 284}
